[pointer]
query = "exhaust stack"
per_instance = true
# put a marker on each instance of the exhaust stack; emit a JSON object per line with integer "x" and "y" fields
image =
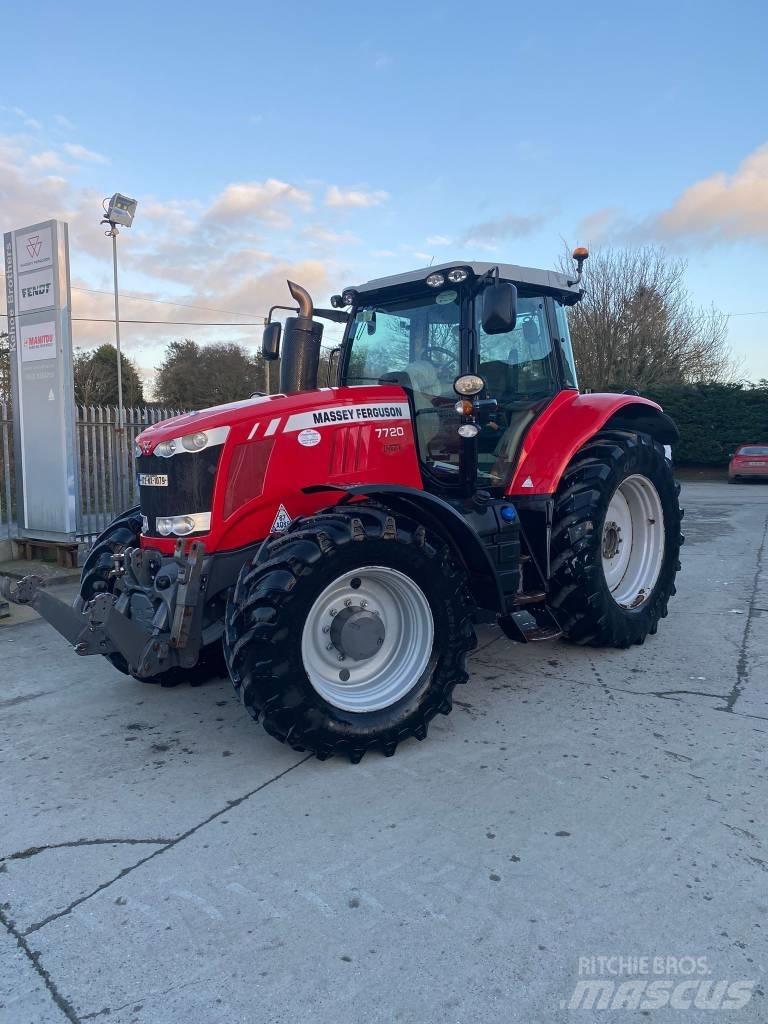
{"x": 300, "y": 350}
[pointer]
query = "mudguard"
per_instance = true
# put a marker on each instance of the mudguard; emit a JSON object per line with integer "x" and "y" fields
{"x": 567, "y": 424}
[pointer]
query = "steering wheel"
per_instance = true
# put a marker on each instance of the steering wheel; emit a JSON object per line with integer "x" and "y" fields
{"x": 450, "y": 357}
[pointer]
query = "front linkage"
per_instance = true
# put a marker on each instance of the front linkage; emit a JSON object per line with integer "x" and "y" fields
{"x": 153, "y": 619}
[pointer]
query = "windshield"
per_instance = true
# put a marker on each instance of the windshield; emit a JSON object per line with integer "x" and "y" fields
{"x": 415, "y": 342}
{"x": 754, "y": 449}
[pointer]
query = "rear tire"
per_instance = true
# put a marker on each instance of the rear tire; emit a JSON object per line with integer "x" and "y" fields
{"x": 613, "y": 563}
{"x": 124, "y": 532}
{"x": 418, "y": 613}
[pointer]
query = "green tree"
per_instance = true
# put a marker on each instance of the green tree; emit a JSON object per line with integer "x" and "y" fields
{"x": 194, "y": 376}
{"x": 96, "y": 378}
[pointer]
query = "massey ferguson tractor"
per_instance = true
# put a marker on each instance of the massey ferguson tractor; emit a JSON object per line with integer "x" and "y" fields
{"x": 337, "y": 544}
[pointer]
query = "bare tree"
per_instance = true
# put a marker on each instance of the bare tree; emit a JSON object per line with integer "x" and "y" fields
{"x": 637, "y": 326}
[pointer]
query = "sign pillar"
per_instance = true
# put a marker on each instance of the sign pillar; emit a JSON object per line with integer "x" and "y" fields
{"x": 36, "y": 262}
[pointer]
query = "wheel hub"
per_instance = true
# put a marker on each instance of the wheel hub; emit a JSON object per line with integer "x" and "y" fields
{"x": 367, "y": 638}
{"x": 357, "y": 633}
{"x": 611, "y": 540}
{"x": 632, "y": 542}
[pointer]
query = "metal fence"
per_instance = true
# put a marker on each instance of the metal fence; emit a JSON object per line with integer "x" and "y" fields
{"x": 107, "y": 462}
{"x": 105, "y": 454}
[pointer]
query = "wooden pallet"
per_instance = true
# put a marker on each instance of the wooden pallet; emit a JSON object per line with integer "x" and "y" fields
{"x": 66, "y": 552}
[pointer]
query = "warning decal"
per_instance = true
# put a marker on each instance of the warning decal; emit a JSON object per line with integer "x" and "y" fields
{"x": 282, "y": 521}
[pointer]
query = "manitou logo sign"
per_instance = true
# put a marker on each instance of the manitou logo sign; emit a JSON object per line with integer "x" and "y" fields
{"x": 38, "y": 341}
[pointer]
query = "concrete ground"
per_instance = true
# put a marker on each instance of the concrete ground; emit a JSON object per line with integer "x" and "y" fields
{"x": 166, "y": 861}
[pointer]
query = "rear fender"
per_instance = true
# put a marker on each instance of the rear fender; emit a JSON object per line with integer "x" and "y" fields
{"x": 568, "y": 422}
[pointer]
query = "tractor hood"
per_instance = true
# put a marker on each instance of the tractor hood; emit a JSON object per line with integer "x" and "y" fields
{"x": 231, "y": 413}
{"x": 317, "y": 407}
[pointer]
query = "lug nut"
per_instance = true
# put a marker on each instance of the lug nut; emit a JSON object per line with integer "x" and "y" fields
{"x": 348, "y": 602}
{"x": 363, "y": 604}
{"x": 332, "y": 611}
{"x": 326, "y": 629}
{"x": 329, "y": 647}
{"x": 341, "y": 657}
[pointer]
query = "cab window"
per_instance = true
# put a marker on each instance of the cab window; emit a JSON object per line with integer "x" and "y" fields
{"x": 520, "y": 372}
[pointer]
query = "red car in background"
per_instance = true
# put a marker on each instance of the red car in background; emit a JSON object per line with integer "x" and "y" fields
{"x": 748, "y": 462}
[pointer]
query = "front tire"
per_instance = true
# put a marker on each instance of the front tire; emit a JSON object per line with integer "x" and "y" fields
{"x": 349, "y": 632}
{"x": 615, "y": 541}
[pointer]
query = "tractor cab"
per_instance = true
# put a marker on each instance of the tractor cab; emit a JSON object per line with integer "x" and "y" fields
{"x": 479, "y": 348}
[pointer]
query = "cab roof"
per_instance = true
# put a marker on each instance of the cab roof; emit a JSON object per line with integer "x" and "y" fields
{"x": 530, "y": 277}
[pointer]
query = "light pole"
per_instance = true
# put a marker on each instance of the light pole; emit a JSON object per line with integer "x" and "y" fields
{"x": 118, "y": 210}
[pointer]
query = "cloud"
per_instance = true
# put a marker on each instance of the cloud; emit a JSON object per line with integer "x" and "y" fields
{"x": 47, "y": 160}
{"x": 63, "y": 122}
{"x": 84, "y": 155}
{"x": 318, "y": 234}
{"x": 439, "y": 240}
{"x": 489, "y": 233}
{"x": 381, "y": 61}
{"x": 336, "y": 196}
{"x": 259, "y": 200}
{"x": 722, "y": 207}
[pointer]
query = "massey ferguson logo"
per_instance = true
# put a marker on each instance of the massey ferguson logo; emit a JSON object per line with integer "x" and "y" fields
{"x": 34, "y": 245}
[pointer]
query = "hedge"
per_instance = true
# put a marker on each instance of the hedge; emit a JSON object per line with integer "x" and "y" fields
{"x": 714, "y": 419}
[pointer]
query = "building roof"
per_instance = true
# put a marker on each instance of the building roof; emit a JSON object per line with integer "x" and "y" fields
{"x": 528, "y": 276}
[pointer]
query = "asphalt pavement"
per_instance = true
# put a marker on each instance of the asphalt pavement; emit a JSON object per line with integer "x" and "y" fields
{"x": 163, "y": 860}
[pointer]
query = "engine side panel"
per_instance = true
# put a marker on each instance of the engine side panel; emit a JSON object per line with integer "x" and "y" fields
{"x": 340, "y": 436}
{"x": 556, "y": 435}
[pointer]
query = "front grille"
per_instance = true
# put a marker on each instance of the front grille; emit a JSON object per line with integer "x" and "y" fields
{"x": 191, "y": 476}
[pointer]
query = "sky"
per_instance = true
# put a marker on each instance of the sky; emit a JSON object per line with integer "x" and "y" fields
{"x": 332, "y": 143}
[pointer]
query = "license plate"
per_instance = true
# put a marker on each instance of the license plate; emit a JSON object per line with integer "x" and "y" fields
{"x": 757, "y": 463}
{"x": 153, "y": 480}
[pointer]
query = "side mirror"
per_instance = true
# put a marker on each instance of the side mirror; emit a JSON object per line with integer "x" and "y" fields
{"x": 270, "y": 340}
{"x": 499, "y": 311}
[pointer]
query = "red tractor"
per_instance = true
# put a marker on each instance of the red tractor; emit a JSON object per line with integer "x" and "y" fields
{"x": 339, "y": 543}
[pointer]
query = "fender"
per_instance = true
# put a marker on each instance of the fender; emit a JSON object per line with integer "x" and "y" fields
{"x": 568, "y": 422}
{"x": 443, "y": 519}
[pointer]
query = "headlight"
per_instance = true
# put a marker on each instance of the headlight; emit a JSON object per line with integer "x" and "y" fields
{"x": 165, "y": 449}
{"x": 194, "y": 442}
{"x": 435, "y": 280}
{"x": 182, "y": 525}
{"x": 457, "y": 275}
{"x": 469, "y": 384}
{"x": 164, "y": 525}
{"x": 469, "y": 430}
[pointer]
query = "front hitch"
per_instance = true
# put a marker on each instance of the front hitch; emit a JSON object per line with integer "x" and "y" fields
{"x": 95, "y": 628}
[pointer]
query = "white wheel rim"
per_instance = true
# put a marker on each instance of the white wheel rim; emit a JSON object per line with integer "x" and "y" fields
{"x": 397, "y": 614}
{"x": 633, "y": 541}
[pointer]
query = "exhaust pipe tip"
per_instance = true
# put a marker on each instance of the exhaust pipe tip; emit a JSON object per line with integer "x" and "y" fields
{"x": 304, "y": 299}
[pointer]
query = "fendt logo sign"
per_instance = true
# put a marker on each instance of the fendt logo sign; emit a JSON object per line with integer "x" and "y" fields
{"x": 34, "y": 250}
{"x": 36, "y": 291}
